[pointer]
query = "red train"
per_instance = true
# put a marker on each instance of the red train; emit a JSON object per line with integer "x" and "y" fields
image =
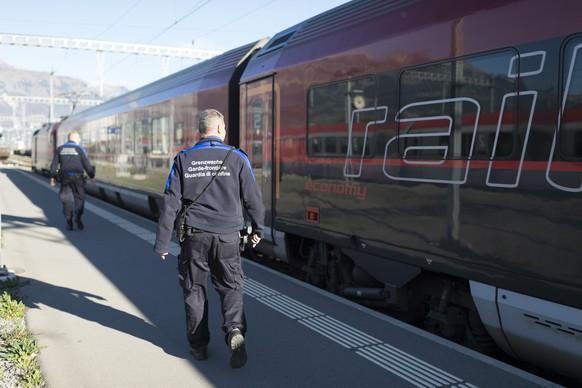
{"x": 420, "y": 157}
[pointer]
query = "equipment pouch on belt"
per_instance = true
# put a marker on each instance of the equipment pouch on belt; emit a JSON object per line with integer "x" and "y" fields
{"x": 180, "y": 223}
{"x": 244, "y": 236}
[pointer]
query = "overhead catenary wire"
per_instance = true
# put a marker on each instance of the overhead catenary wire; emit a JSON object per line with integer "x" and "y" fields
{"x": 183, "y": 17}
{"x": 101, "y": 33}
{"x": 163, "y": 31}
{"x": 239, "y": 17}
{"x": 189, "y": 13}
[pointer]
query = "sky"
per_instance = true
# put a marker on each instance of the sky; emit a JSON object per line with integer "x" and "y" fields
{"x": 218, "y": 25}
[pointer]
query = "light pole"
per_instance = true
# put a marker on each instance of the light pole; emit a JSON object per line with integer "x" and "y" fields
{"x": 52, "y": 102}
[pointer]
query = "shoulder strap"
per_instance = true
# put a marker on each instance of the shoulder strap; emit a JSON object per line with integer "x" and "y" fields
{"x": 186, "y": 203}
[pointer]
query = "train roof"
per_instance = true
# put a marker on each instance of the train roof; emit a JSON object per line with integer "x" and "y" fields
{"x": 328, "y": 27}
{"x": 213, "y": 72}
{"x": 415, "y": 29}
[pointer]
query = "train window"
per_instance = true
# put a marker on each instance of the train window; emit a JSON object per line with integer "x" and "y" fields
{"x": 258, "y": 125}
{"x": 160, "y": 136}
{"x": 337, "y": 118}
{"x": 102, "y": 143}
{"x": 314, "y": 145}
{"x": 127, "y": 136}
{"x": 278, "y": 42}
{"x": 179, "y": 134}
{"x": 113, "y": 141}
{"x": 451, "y": 110}
{"x": 87, "y": 141}
{"x": 138, "y": 138}
{"x": 570, "y": 134}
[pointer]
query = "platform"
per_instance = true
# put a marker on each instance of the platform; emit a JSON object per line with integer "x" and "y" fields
{"x": 108, "y": 312}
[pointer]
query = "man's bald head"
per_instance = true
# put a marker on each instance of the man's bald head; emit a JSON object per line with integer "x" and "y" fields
{"x": 75, "y": 137}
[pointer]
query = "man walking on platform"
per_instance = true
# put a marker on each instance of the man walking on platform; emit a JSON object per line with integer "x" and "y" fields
{"x": 69, "y": 163}
{"x": 212, "y": 183}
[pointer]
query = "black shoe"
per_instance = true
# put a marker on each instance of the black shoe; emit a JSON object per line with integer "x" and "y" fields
{"x": 238, "y": 353}
{"x": 80, "y": 224}
{"x": 70, "y": 224}
{"x": 200, "y": 354}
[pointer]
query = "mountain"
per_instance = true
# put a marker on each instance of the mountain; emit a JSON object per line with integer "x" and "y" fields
{"x": 19, "y": 82}
{"x": 18, "y": 120}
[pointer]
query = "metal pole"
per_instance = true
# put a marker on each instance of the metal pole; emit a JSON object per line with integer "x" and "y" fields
{"x": 101, "y": 69}
{"x": 52, "y": 103}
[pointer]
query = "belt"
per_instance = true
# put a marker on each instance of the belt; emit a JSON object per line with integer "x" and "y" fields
{"x": 190, "y": 231}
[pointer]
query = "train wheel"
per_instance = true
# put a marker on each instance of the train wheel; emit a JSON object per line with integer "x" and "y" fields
{"x": 480, "y": 338}
{"x": 450, "y": 324}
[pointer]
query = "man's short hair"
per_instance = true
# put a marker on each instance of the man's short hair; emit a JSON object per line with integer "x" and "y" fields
{"x": 74, "y": 136}
{"x": 209, "y": 119}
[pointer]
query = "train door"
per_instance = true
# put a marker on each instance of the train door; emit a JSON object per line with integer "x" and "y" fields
{"x": 257, "y": 135}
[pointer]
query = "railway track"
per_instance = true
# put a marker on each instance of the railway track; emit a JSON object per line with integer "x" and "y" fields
{"x": 17, "y": 160}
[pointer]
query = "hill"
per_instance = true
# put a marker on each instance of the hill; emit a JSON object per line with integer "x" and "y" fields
{"x": 19, "y": 82}
{"x": 18, "y": 119}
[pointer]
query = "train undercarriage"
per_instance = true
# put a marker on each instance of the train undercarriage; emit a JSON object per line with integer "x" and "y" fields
{"x": 437, "y": 303}
{"x": 514, "y": 329}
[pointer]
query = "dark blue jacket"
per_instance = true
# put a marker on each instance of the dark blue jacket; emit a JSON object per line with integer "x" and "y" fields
{"x": 72, "y": 159}
{"x": 220, "y": 209}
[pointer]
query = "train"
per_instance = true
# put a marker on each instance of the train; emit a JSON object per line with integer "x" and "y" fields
{"x": 5, "y": 151}
{"x": 421, "y": 157}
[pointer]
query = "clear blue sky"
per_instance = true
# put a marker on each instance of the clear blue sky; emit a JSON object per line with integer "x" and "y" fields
{"x": 202, "y": 24}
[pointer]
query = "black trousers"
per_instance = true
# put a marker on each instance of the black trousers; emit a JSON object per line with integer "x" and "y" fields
{"x": 72, "y": 194}
{"x": 218, "y": 255}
